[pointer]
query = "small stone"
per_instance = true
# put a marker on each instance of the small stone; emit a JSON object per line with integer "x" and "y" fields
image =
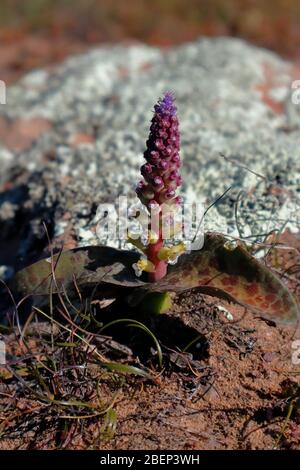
{"x": 269, "y": 356}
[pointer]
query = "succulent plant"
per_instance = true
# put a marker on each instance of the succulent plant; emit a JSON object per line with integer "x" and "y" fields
{"x": 219, "y": 268}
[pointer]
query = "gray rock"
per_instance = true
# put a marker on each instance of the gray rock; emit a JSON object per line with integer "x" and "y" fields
{"x": 233, "y": 98}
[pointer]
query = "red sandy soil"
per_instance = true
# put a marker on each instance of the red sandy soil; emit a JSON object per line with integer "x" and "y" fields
{"x": 231, "y": 391}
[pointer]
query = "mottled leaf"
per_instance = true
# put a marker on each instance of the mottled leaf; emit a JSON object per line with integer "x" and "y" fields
{"x": 88, "y": 265}
{"x": 231, "y": 274}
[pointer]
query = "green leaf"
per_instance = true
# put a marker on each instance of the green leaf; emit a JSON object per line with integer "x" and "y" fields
{"x": 109, "y": 426}
{"x": 156, "y": 303}
{"x": 126, "y": 369}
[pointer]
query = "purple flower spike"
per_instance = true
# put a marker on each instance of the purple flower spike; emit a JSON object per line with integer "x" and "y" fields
{"x": 162, "y": 154}
{"x": 161, "y": 178}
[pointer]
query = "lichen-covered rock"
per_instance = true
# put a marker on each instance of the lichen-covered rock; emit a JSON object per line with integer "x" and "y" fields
{"x": 68, "y": 134}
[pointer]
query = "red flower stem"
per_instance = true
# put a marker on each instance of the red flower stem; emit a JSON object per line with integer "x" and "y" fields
{"x": 160, "y": 266}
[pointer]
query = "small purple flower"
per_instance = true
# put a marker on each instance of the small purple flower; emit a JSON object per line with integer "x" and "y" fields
{"x": 165, "y": 107}
{"x": 162, "y": 154}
